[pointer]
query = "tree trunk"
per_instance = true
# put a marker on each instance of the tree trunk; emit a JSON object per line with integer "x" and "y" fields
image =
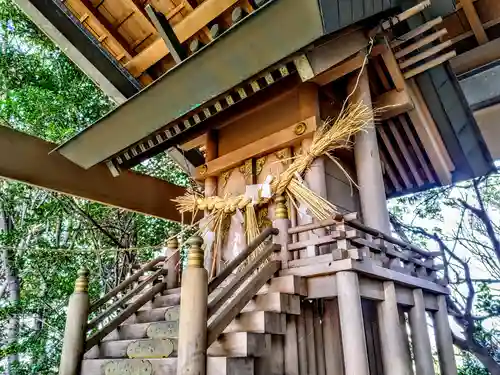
{"x": 480, "y": 353}
{"x": 12, "y": 280}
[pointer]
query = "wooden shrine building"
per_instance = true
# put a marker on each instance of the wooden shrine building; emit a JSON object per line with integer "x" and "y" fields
{"x": 298, "y": 273}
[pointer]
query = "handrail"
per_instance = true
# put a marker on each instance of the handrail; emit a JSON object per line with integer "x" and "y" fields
{"x": 229, "y": 289}
{"x": 222, "y": 320}
{"x": 93, "y": 323}
{"x": 357, "y": 225}
{"x": 112, "y": 293}
{"x": 235, "y": 263}
{"x": 129, "y": 311}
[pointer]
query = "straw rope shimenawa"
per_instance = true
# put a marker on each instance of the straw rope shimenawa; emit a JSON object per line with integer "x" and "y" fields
{"x": 332, "y": 135}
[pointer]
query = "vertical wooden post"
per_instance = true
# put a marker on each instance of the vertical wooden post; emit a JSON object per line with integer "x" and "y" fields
{"x": 444, "y": 340}
{"x": 334, "y": 364}
{"x": 211, "y": 152}
{"x": 368, "y": 167}
{"x": 309, "y": 338}
{"x": 406, "y": 340}
{"x": 393, "y": 348}
{"x": 192, "y": 344}
{"x": 172, "y": 264}
{"x": 76, "y": 326}
{"x": 291, "y": 346}
{"x": 351, "y": 323}
{"x": 422, "y": 350}
{"x": 301, "y": 339}
{"x": 318, "y": 339}
{"x": 282, "y": 223}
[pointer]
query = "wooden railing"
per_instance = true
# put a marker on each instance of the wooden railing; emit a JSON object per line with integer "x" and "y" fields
{"x": 126, "y": 283}
{"x": 346, "y": 237}
{"x": 76, "y": 342}
{"x": 254, "y": 266}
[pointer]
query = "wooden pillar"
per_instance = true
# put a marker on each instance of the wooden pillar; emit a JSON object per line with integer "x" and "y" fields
{"x": 75, "y": 332}
{"x": 318, "y": 339}
{"x": 211, "y": 153}
{"x": 332, "y": 343}
{"x": 422, "y": 350}
{"x": 394, "y": 356}
{"x": 444, "y": 340}
{"x": 282, "y": 223}
{"x": 172, "y": 263}
{"x": 406, "y": 339}
{"x": 309, "y": 338}
{"x": 368, "y": 168}
{"x": 351, "y": 323}
{"x": 192, "y": 344}
{"x": 291, "y": 346}
{"x": 301, "y": 339}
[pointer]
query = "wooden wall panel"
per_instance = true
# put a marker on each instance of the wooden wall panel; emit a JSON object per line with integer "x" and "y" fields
{"x": 265, "y": 120}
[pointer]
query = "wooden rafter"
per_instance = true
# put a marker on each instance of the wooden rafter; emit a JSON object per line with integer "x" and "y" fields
{"x": 184, "y": 30}
{"x": 103, "y": 34}
{"x": 395, "y": 157}
{"x": 405, "y": 151}
{"x": 416, "y": 148}
{"x": 474, "y": 21}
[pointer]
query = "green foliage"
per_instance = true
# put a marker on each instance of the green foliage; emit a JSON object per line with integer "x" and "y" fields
{"x": 471, "y": 366}
{"x": 43, "y": 94}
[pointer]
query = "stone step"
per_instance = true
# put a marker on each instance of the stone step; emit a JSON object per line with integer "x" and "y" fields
{"x": 164, "y": 366}
{"x": 236, "y": 344}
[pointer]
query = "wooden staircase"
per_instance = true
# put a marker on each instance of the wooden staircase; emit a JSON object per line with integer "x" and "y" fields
{"x": 148, "y": 339}
{"x": 139, "y": 332}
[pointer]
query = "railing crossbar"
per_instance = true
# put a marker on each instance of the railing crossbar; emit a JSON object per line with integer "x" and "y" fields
{"x": 121, "y": 302}
{"x": 235, "y": 263}
{"x": 337, "y": 219}
{"x": 125, "y": 283}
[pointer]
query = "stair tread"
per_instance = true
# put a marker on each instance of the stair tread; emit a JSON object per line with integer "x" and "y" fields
{"x": 168, "y": 366}
{"x": 233, "y": 344}
{"x": 254, "y": 321}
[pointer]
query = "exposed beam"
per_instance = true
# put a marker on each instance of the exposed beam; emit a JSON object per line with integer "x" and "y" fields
{"x": 393, "y": 68}
{"x": 340, "y": 70}
{"x": 184, "y": 30}
{"x": 167, "y": 33}
{"x": 393, "y": 103}
{"x": 474, "y": 21}
{"x": 476, "y": 57}
{"x": 337, "y": 50}
{"x": 29, "y": 159}
{"x": 429, "y": 136}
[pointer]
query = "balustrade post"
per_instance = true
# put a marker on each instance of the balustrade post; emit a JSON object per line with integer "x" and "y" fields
{"x": 172, "y": 263}
{"x": 394, "y": 356}
{"x": 282, "y": 223}
{"x": 444, "y": 339}
{"x": 351, "y": 324}
{"x": 76, "y": 326}
{"x": 192, "y": 344}
{"x": 422, "y": 349}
